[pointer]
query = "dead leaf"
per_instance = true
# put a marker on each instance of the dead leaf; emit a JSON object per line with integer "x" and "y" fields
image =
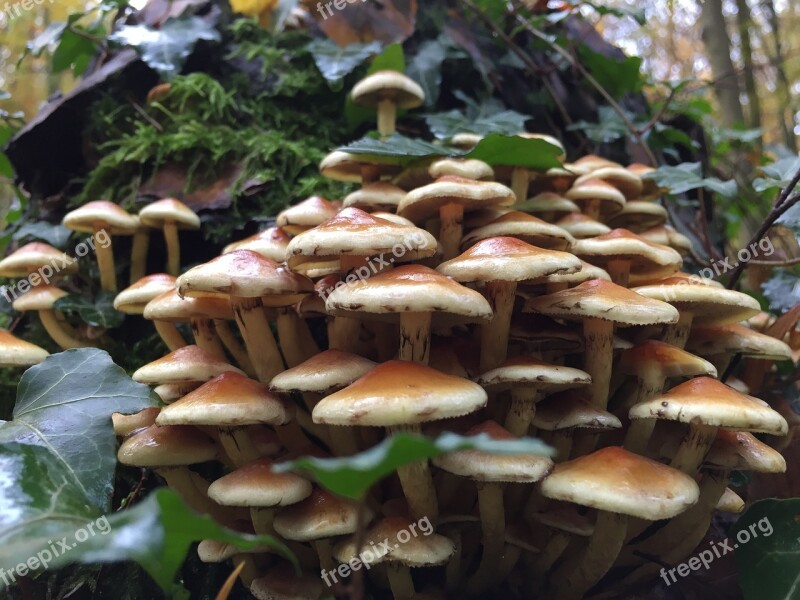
{"x": 387, "y": 21}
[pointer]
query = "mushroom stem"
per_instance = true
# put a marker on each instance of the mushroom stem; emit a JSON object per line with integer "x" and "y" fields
{"x": 493, "y": 527}
{"x": 139, "y": 247}
{"x": 452, "y": 571}
{"x": 415, "y": 337}
{"x": 387, "y": 117}
{"x": 523, "y": 407}
{"x": 400, "y": 581}
{"x": 258, "y": 338}
{"x": 262, "y": 518}
{"x": 234, "y": 347}
{"x": 592, "y": 209}
{"x": 249, "y": 569}
{"x": 323, "y": 548}
{"x": 554, "y": 548}
{"x": 173, "y": 248}
{"x": 579, "y": 573}
{"x": 721, "y": 362}
{"x": 170, "y": 335}
{"x": 520, "y": 180}
{"x": 494, "y": 335}
{"x": 296, "y": 341}
{"x": 638, "y": 435}
{"x": 677, "y": 333}
{"x": 205, "y": 336}
{"x": 307, "y": 424}
{"x": 105, "y": 263}
{"x": 292, "y": 437}
{"x": 598, "y": 355}
{"x": 451, "y": 229}
{"x": 237, "y": 445}
{"x": 344, "y": 333}
{"x": 416, "y": 481}
{"x": 694, "y": 447}
{"x": 648, "y": 385}
{"x": 619, "y": 270}
{"x": 58, "y": 334}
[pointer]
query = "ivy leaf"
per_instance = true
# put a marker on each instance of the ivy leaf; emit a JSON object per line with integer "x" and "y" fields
{"x": 618, "y": 77}
{"x": 778, "y": 175}
{"x": 391, "y": 59}
{"x": 485, "y": 118}
{"x": 65, "y": 404}
{"x": 767, "y": 538}
{"x": 166, "y": 49}
{"x": 688, "y": 176}
{"x": 782, "y": 290}
{"x": 352, "y": 476}
{"x": 608, "y": 128}
{"x": 55, "y": 235}
{"x": 517, "y": 151}
{"x": 99, "y": 312}
{"x": 45, "y": 515}
{"x": 426, "y": 69}
{"x": 334, "y": 62}
{"x": 396, "y": 149}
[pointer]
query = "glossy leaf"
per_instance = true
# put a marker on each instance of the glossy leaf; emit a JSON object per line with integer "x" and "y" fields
{"x": 513, "y": 150}
{"x": 480, "y": 118}
{"x": 391, "y": 59}
{"x": 782, "y": 290}
{"x": 688, "y": 176}
{"x": 335, "y": 62}
{"x": 618, "y": 77}
{"x": 777, "y": 175}
{"x": 396, "y": 149}
{"x": 65, "y": 404}
{"x": 97, "y": 312}
{"x": 352, "y": 476}
{"x": 55, "y": 235}
{"x": 426, "y": 69}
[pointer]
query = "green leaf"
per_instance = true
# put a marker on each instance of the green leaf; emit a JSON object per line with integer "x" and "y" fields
{"x": 618, "y": 77}
{"x": 55, "y": 235}
{"x": 426, "y": 68}
{"x": 396, "y": 149}
{"x": 391, "y": 59}
{"x": 485, "y": 118}
{"x": 73, "y": 51}
{"x": 778, "y": 175}
{"x": 782, "y": 290}
{"x": 47, "y": 38}
{"x": 99, "y": 312}
{"x": 688, "y": 176}
{"x": 767, "y": 542}
{"x": 636, "y": 15}
{"x": 65, "y": 404}
{"x": 498, "y": 149}
{"x": 352, "y": 476}
{"x": 335, "y": 62}
{"x": 166, "y": 49}
{"x": 46, "y": 516}
{"x": 608, "y": 128}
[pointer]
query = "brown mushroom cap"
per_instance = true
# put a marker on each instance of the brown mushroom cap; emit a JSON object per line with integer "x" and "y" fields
{"x": 522, "y": 371}
{"x": 465, "y": 140}
{"x": 600, "y": 299}
{"x": 741, "y": 451}
{"x": 737, "y": 339}
{"x": 549, "y": 202}
{"x": 328, "y": 370}
{"x": 353, "y": 232}
{"x": 590, "y": 162}
{"x": 622, "y": 179}
{"x": 170, "y": 307}
{"x": 524, "y": 227}
{"x": 257, "y": 484}
{"x": 572, "y": 410}
{"x": 650, "y": 189}
{"x": 469, "y": 168}
{"x": 424, "y": 202}
{"x": 270, "y": 243}
{"x": 31, "y": 257}
{"x": 403, "y": 91}
{"x": 244, "y": 273}
{"x": 485, "y": 466}
{"x": 283, "y": 583}
{"x": 610, "y": 198}
{"x": 320, "y": 515}
{"x": 618, "y": 481}
{"x": 375, "y": 196}
{"x": 309, "y": 213}
{"x": 646, "y": 258}
{"x": 133, "y": 299}
{"x": 169, "y": 210}
{"x": 15, "y": 352}
{"x": 409, "y": 288}
{"x": 638, "y": 215}
{"x": 667, "y": 236}
{"x": 585, "y": 273}
{"x": 652, "y": 356}
{"x": 581, "y": 227}
{"x": 342, "y": 166}
{"x": 169, "y": 392}
{"x": 184, "y": 365}
{"x": 507, "y": 259}
{"x": 124, "y": 425}
{"x": 708, "y": 401}
{"x": 228, "y": 400}
{"x": 41, "y": 297}
{"x": 730, "y": 502}
{"x": 173, "y": 446}
{"x": 397, "y": 393}
{"x": 101, "y": 214}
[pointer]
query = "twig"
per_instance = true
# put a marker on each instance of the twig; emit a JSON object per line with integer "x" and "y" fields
{"x": 144, "y": 115}
{"x": 788, "y": 262}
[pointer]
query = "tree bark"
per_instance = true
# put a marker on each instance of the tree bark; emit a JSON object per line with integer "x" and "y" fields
{"x": 782, "y": 81}
{"x": 744, "y": 21}
{"x": 718, "y": 51}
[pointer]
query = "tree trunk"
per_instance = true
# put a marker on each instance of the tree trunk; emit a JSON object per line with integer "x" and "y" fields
{"x": 718, "y": 51}
{"x": 785, "y": 121}
{"x": 744, "y": 20}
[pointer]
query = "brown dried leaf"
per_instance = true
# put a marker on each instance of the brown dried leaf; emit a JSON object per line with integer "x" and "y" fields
{"x": 387, "y": 21}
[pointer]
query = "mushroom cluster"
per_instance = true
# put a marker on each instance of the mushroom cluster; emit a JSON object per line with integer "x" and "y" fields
{"x": 458, "y": 296}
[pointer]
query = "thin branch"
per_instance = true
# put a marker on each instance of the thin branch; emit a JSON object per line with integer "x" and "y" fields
{"x": 788, "y": 262}
{"x": 144, "y": 114}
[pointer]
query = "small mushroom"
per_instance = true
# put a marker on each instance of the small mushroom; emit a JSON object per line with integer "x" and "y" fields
{"x": 469, "y": 168}
{"x": 42, "y": 299}
{"x": 376, "y": 196}
{"x": 133, "y": 299}
{"x": 523, "y": 227}
{"x": 598, "y": 200}
{"x": 33, "y": 258}
{"x": 15, "y": 352}
{"x": 305, "y": 215}
{"x": 387, "y": 91}
{"x": 170, "y": 215}
{"x": 579, "y": 226}
{"x": 270, "y": 243}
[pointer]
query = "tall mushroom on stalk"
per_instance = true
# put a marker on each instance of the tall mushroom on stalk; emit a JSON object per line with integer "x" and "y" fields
{"x": 250, "y": 282}
{"x": 135, "y": 297}
{"x": 42, "y": 299}
{"x": 491, "y": 471}
{"x": 270, "y": 243}
{"x": 34, "y": 258}
{"x": 519, "y": 177}
{"x": 720, "y": 344}
{"x": 400, "y": 396}
{"x": 103, "y": 216}
{"x": 524, "y": 227}
{"x": 305, "y": 215}
{"x": 529, "y": 380}
{"x": 15, "y": 352}
{"x": 139, "y": 248}
{"x": 598, "y": 200}
{"x": 699, "y": 303}
{"x": 170, "y": 215}
{"x": 624, "y": 254}
{"x": 618, "y": 484}
{"x": 601, "y": 305}
{"x": 411, "y": 294}
{"x": 449, "y": 197}
{"x": 387, "y": 91}
{"x": 501, "y": 263}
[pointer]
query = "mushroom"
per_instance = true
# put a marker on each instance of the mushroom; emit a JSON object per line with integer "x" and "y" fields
{"x": 581, "y": 227}
{"x": 375, "y": 196}
{"x": 529, "y": 380}
{"x": 721, "y": 343}
{"x": 490, "y": 471}
{"x": 598, "y": 200}
{"x": 626, "y": 181}
{"x": 502, "y": 262}
{"x": 170, "y": 215}
{"x": 639, "y": 216}
{"x": 400, "y": 395}
{"x": 15, "y": 352}
{"x": 617, "y": 483}
{"x": 351, "y": 168}
{"x": 566, "y": 524}
{"x": 387, "y": 91}
{"x": 563, "y": 281}
{"x": 124, "y": 425}
{"x": 590, "y": 162}
{"x": 134, "y": 298}
{"x": 270, "y": 243}
{"x": 282, "y": 582}
{"x": 139, "y": 248}
{"x": 730, "y": 502}
{"x": 667, "y": 236}
{"x": 469, "y": 168}
{"x": 449, "y": 197}
{"x": 519, "y": 177}
{"x": 305, "y": 215}
{"x": 101, "y": 215}
{"x": 623, "y": 254}
{"x": 600, "y": 305}
{"x": 42, "y": 299}
{"x": 412, "y": 294}
{"x": 650, "y": 189}
{"x": 524, "y": 227}
{"x": 33, "y": 258}
{"x": 548, "y": 206}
